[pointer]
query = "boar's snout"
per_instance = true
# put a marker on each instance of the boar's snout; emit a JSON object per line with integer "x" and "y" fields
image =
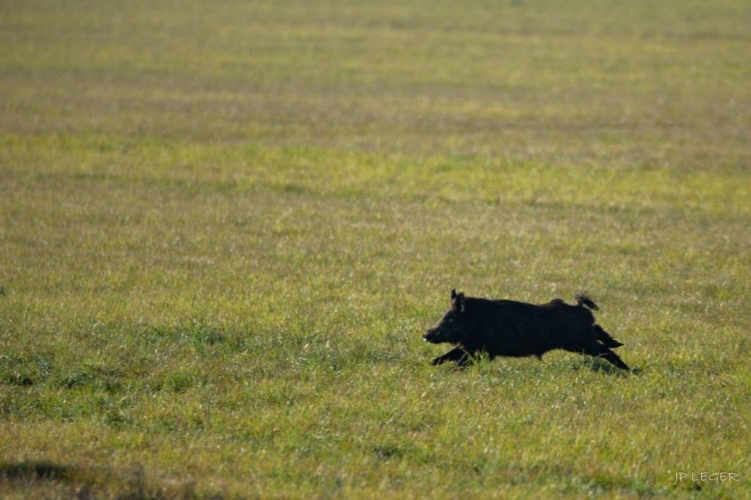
{"x": 433, "y": 336}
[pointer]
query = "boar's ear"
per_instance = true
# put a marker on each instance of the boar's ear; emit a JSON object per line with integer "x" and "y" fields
{"x": 457, "y": 301}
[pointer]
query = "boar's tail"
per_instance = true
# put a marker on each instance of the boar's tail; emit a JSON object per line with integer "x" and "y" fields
{"x": 583, "y": 300}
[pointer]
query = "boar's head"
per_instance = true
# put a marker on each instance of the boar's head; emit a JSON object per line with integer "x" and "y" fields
{"x": 452, "y": 327}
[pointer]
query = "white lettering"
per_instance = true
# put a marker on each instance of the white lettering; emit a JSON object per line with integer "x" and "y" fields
{"x": 704, "y": 476}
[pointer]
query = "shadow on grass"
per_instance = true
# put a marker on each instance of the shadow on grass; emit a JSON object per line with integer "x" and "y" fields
{"x": 44, "y": 479}
{"x": 595, "y": 365}
{"x": 599, "y": 366}
{"x": 31, "y": 471}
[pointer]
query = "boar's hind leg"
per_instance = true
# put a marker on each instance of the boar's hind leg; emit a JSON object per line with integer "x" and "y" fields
{"x": 600, "y": 351}
{"x": 455, "y": 354}
{"x": 605, "y": 337}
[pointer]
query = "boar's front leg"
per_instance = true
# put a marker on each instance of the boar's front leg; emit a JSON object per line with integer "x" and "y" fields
{"x": 456, "y": 354}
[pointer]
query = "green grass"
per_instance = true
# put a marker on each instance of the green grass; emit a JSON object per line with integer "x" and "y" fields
{"x": 224, "y": 227}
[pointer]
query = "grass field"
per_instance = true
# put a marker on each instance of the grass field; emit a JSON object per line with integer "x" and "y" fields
{"x": 224, "y": 227}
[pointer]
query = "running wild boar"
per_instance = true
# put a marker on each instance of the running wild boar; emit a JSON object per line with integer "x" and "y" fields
{"x": 509, "y": 328}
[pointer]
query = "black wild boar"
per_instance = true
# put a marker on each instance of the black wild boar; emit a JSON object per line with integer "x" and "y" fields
{"x": 509, "y": 328}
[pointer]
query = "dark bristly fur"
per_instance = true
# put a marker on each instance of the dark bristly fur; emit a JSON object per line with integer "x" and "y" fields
{"x": 510, "y": 328}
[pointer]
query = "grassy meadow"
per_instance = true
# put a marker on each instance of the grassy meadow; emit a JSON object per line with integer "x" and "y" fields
{"x": 224, "y": 227}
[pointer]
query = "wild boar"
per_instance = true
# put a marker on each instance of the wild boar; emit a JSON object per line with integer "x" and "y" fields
{"x": 509, "y": 328}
